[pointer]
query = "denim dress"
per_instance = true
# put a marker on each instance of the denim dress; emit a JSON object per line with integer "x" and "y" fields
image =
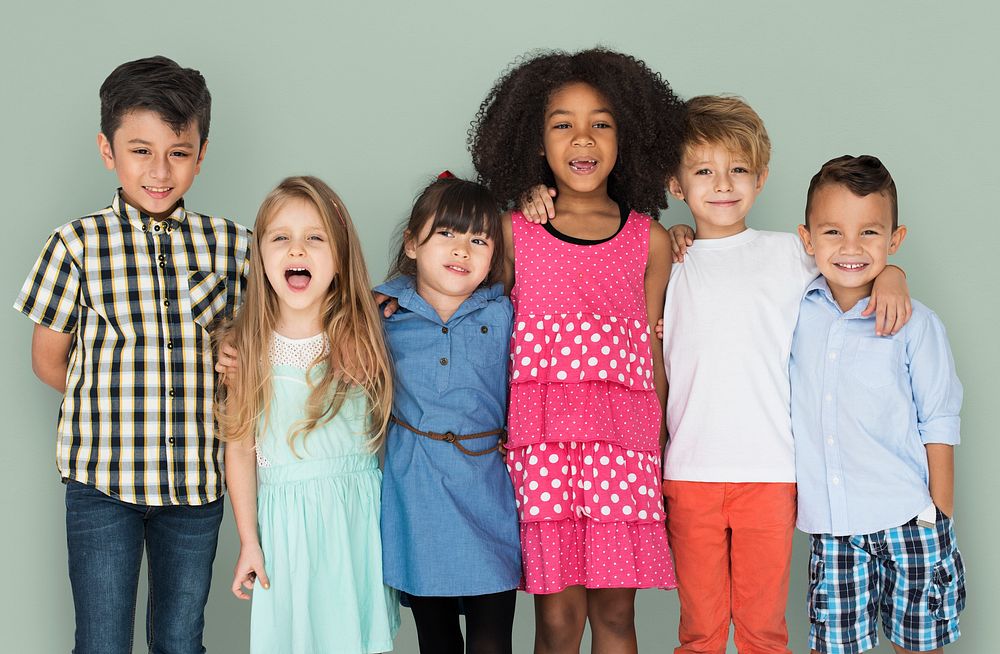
{"x": 449, "y": 522}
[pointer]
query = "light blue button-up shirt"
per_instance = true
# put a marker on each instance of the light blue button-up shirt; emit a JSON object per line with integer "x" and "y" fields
{"x": 863, "y": 408}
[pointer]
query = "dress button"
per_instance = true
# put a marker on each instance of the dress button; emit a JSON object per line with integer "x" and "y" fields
{"x": 443, "y": 361}
{"x": 444, "y": 330}
{"x": 484, "y": 329}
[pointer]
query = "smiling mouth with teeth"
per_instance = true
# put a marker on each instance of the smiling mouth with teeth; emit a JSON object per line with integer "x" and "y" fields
{"x": 851, "y": 266}
{"x": 583, "y": 165}
{"x": 298, "y": 278}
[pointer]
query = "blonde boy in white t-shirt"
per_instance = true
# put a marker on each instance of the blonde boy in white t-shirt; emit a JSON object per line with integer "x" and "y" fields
{"x": 730, "y": 312}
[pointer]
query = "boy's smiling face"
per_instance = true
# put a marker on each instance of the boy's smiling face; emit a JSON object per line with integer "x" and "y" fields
{"x": 851, "y": 237}
{"x": 719, "y": 187}
{"x": 155, "y": 165}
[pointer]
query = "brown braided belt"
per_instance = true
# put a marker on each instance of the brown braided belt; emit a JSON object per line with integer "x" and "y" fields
{"x": 456, "y": 440}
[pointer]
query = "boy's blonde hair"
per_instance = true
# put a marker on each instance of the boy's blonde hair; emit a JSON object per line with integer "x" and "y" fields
{"x": 357, "y": 358}
{"x": 727, "y": 120}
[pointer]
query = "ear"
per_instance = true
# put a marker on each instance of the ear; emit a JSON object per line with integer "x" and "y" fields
{"x": 201, "y": 156}
{"x": 675, "y": 189}
{"x": 806, "y": 240}
{"x": 409, "y": 247}
{"x": 897, "y": 239}
{"x": 107, "y": 152}
{"x": 762, "y": 177}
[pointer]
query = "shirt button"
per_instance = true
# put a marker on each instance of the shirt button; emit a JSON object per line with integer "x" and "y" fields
{"x": 171, "y": 440}
{"x": 156, "y": 228}
{"x": 166, "y": 303}
{"x": 829, "y": 440}
{"x": 444, "y": 330}
{"x": 443, "y": 361}
{"x": 484, "y": 329}
{"x": 828, "y": 398}
{"x": 170, "y": 392}
{"x": 836, "y": 481}
{"x": 145, "y": 229}
{"x": 170, "y": 345}
{"x": 163, "y": 265}
{"x": 833, "y": 355}
{"x": 162, "y": 257}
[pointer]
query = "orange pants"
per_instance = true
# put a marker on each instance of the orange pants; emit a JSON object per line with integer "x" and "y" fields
{"x": 732, "y": 546}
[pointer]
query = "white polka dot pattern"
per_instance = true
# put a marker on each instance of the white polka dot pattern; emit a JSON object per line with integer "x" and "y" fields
{"x": 584, "y": 418}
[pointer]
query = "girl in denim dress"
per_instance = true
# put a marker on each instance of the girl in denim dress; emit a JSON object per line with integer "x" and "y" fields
{"x": 449, "y": 522}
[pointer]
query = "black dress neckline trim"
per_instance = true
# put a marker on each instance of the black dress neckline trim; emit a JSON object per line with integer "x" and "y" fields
{"x": 587, "y": 241}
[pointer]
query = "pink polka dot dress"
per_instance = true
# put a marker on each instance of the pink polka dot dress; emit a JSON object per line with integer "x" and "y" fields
{"x": 584, "y": 418}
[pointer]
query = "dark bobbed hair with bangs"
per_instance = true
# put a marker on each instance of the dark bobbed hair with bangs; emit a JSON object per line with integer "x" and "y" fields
{"x": 458, "y": 205}
{"x": 506, "y": 137}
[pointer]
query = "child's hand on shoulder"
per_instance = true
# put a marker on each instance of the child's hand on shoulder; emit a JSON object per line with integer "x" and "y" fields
{"x": 537, "y": 205}
{"x": 391, "y": 303}
{"x": 890, "y": 301}
{"x": 227, "y": 364}
{"x": 249, "y": 567}
{"x": 681, "y": 238}
{"x": 658, "y": 330}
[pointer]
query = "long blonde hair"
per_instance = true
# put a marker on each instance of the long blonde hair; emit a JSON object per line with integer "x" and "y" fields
{"x": 356, "y": 357}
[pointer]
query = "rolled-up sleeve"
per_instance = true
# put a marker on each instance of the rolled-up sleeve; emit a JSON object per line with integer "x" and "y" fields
{"x": 937, "y": 392}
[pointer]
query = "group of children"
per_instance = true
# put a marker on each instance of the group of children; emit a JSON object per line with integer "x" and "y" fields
{"x": 525, "y": 439}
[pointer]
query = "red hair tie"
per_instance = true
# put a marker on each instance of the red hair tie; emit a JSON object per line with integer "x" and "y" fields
{"x": 446, "y": 174}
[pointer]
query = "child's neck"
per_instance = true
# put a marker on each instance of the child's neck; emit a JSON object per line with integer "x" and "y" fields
{"x": 444, "y": 305}
{"x": 296, "y": 324}
{"x": 573, "y": 203}
{"x": 847, "y": 298}
{"x": 591, "y": 217}
{"x": 705, "y": 230}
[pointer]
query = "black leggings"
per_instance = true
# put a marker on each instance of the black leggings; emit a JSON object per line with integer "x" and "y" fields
{"x": 489, "y": 620}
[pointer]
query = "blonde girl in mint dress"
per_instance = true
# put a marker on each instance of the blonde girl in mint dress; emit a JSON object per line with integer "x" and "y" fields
{"x": 304, "y": 413}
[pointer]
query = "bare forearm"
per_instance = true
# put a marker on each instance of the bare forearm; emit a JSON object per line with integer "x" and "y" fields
{"x": 50, "y": 356}
{"x": 941, "y": 468}
{"x": 241, "y": 481}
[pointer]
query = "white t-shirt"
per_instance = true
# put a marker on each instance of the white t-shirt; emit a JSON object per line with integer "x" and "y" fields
{"x": 730, "y": 312}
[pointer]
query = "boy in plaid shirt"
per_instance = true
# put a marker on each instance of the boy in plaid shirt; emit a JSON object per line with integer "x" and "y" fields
{"x": 875, "y": 422}
{"x": 124, "y": 302}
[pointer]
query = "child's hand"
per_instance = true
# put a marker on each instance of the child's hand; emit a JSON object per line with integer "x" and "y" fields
{"x": 227, "y": 364}
{"x": 681, "y": 237}
{"x": 249, "y": 566}
{"x": 537, "y": 205}
{"x": 890, "y": 302}
{"x": 391, "y": 304}
{"x": 659, "y": 329}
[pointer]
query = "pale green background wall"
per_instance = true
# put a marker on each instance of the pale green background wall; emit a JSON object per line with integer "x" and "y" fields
{"x": 377, "y": 97}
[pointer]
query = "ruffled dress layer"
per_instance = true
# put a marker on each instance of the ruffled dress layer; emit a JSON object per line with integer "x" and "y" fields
{"x": 584, "y": 416}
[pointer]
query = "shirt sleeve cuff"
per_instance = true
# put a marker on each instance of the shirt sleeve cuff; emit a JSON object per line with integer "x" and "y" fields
{"x": 945, "y": 431}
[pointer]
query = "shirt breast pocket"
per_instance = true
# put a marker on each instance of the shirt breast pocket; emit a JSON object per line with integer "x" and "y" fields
{"x": 876, "y": 362}
{"x": 486, "y": 345}
{"x": 207, "y": 293}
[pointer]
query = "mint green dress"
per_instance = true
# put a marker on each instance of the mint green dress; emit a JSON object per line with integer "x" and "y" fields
{"x": 318, "y": 516}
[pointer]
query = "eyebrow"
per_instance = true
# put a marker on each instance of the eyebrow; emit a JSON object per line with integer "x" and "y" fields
{"x": 181, "y": 144}
{"x": 567, "y": 112}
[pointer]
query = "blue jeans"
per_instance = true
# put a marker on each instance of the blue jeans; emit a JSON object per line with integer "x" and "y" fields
{"x": 106, "y": 537}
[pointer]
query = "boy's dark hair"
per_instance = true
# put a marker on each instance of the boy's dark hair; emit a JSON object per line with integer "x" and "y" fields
{"x": 458, "y": 205}
{"x": 861, "y": 175}
{"x": 506, "y": 137}
{"x": 177, "y": 95}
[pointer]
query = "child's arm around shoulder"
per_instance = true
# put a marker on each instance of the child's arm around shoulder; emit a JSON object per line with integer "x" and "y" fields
{"x": 508, "y": 253}
{"x": 890, "y": 301}
{"x": 656, "y": 277}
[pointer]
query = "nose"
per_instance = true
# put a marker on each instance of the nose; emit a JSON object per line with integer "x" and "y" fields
{"x": 723, "y": 183}
{"x": 583, "y": 137}
{"x": 160, "y": 169}
{"x": 460, "y": 249}
{"x": 850, "y": 244}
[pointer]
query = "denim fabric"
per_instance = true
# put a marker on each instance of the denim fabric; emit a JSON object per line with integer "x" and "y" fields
{"x": 106, "y": 538}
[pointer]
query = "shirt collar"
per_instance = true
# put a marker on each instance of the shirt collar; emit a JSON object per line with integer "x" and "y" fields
{"x": 404, "y": 289}
{"x": 819, "y": 291}
{"x": 142, "y": 220}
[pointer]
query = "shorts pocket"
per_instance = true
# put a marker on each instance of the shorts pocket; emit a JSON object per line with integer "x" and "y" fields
{"x": 876, "y": 362}
{"x": 946, "y": 596}
{"x": 818, "y": 600}
{"x": 207, "y": 293}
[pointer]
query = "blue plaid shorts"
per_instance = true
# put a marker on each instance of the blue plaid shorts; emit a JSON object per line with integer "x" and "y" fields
{"x": 911, "y": 576}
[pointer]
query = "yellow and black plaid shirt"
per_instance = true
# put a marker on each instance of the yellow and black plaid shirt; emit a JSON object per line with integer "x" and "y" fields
{"x": 140, "y": 297}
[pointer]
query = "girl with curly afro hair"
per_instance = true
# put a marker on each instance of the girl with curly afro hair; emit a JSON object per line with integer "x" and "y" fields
{"x": 587, "y": 386}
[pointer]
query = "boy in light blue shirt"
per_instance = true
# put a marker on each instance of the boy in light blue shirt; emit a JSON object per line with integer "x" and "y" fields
{"x": 874, "y": 421}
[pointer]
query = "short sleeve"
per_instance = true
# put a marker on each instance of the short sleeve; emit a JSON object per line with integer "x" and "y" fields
{"x": 937, "y": 392}
{"x": 50, "y": 294}
{"x": 807, "y": 263}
